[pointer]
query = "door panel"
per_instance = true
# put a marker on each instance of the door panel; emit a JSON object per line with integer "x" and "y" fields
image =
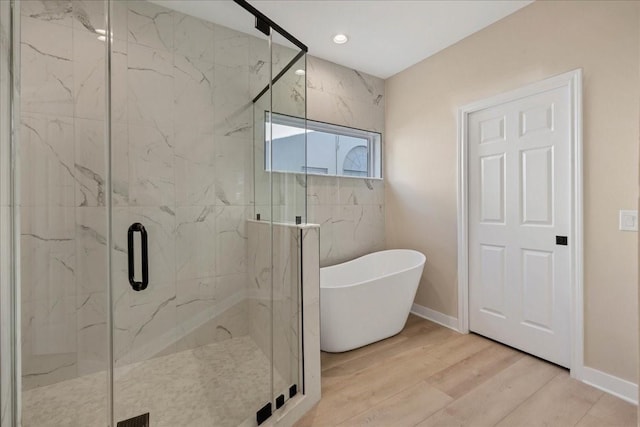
{"x": 492, "y": 130}
{"x": 519, "y": 200}
{"x": 537, "y": 286}
{"x": 493, "y": 272}
{"x": 492, "y": 184}
{"x": 537, "y": 186}
{"x": 536, "y": 119}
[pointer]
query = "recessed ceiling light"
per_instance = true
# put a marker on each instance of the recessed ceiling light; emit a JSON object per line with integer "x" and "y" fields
{"x": 340, "y": 39}
{"x": 300, "y": 72}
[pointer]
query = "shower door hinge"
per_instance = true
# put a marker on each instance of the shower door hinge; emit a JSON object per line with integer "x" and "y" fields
{"x": 139, "y": 421}
{"x": 280, "y": 401}
{"x": 264, "y": 413}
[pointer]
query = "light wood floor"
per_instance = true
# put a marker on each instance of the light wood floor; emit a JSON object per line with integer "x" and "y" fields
{"x": 429, "y": 375}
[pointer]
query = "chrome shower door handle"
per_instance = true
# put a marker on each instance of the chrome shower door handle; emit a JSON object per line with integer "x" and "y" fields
{"x": 142, "y": 285}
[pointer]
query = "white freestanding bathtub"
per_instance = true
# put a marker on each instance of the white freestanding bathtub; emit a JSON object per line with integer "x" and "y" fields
{"x": 367, "y": 299}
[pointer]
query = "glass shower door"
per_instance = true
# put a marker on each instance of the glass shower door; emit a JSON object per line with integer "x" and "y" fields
{"x": 182, "y": 192}
{"x": 62, "y": 214}
{"x": 280, "y": 213}
{"x": 147, "y": 285}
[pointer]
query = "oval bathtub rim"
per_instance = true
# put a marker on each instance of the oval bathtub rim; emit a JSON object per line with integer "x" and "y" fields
{"x": 350, "y": 285}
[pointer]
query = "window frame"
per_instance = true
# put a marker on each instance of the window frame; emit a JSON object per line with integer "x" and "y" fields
{"x": 373, "y": 140}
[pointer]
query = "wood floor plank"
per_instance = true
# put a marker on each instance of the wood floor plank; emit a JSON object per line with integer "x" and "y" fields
{"x": 490, "y": 402}
{"x": 406, "y": 408}
{"x": 561, "y": 402}
{"x": 415, "y": 326}
{"x": 412, "y": 320}
{"x": 458, "y": 349}
{"x": 351, "y": 365}
{"x": 474, "y": 370}
{"x": 331, "y": 360}
{"x": 431, "y": 376}
{"x": 590, "y": 421}
{"x": 609, "y": 411}
{"x": 363, "y": 392}
{"x": 341, "y": 374}
{"x": 365, "y": 389}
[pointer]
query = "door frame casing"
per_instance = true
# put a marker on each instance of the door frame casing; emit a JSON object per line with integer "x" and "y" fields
{"x": 573, "y": 81}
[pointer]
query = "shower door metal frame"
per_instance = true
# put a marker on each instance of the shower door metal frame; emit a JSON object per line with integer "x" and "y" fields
{"x": 265, "y": 25}
{"x": 9, "y": 289}
{"x": 109, "y": 209}
{"x": 262, "y": 18}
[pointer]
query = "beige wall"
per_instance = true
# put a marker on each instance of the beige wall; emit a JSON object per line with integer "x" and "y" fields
{"x": 539, "y": 41}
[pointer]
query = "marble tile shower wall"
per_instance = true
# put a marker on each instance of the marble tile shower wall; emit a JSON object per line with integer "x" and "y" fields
{"x": 182, "y": 165}
{"x": 349, "y": 210}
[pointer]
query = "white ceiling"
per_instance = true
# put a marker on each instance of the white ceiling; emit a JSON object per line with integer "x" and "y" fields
{"x": 385, "y": 36}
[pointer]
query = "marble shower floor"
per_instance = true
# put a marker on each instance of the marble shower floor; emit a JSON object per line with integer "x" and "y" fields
{"x": 221, "y": 384}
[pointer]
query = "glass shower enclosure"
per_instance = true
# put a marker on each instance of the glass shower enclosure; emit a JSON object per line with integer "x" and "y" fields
{"x": 139, "y": 155}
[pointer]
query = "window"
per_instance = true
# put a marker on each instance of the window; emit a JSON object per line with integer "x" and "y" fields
{"x": 356, "y": 162}
{"x": 330, "y": 149}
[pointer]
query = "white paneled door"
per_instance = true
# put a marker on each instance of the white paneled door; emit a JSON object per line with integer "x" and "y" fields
{"x": 519, "y": 223}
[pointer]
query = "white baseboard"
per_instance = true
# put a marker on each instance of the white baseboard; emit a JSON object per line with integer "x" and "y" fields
{"x": 625, "y": 390}
{"x": 435, "y": 316}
